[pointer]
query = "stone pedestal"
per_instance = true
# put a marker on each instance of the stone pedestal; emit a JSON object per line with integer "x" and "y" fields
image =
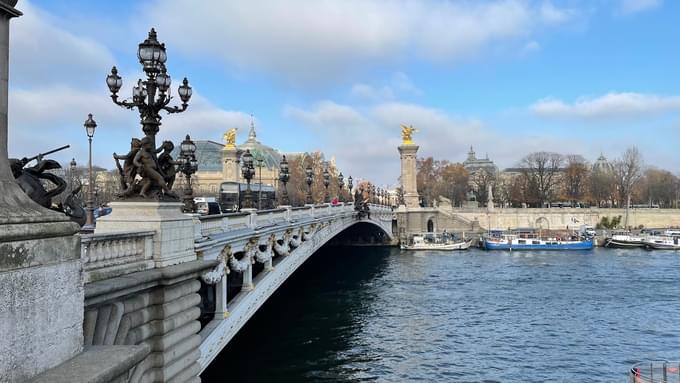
{"x": 407, "y": 155}
{"x": 173, "y": 241}
{"x": 230, "y": 167}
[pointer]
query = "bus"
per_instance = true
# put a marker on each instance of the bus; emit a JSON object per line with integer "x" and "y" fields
{"x": 232, "y": 195}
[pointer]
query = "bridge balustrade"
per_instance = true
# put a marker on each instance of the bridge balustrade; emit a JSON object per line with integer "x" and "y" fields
{"x": 111, "y": 255}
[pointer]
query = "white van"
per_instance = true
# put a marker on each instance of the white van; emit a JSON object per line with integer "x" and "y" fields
{"x": 207, "y": 206}
{"x": 587, "y": 231}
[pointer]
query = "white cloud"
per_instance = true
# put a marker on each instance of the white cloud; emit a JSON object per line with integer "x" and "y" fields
{"x": 365, "y": 141}
{"x": 305, "y": 41}
{"x": 399, "y": 85}
{"x": 633, "y": 6}
{"x": 609, "y": 106}
{"x": 43, "y": 54}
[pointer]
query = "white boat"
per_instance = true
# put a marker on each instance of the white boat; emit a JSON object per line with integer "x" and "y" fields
{"x": 624, "y": 240}
{"x": 663, "y": 242}
{"x": 432, "y": 241}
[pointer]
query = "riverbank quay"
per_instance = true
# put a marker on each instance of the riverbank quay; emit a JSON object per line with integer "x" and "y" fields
{"x": 413, "y": 220}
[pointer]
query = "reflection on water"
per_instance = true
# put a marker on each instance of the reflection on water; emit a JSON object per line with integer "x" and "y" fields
{"x": 378, "y": 314}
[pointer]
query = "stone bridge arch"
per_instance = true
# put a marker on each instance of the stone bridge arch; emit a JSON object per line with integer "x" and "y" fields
{"x": 280, "y": 249}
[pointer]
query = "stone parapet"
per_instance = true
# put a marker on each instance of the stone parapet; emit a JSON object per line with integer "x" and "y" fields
{"x": 173, "y": 241}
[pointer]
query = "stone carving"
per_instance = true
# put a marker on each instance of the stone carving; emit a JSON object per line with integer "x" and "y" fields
{"x": 267, "y": 254}
{"x": 128, "y": 172}
{"x": 283, "y": 248}
{"x": 166, "y": 163}
{"x": 230, "y": 138}
{"x": 406, "y": 134}
{"x": 215, "y": 275}
{"x": 239, "y": 266}
{"x": 145, "y": 175}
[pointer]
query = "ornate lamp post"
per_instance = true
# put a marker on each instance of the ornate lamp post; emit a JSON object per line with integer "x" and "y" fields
{"x": 72, "y": 173}
{"x": 284, "y": 176}
{"x": 309, "y": 178}
{"x": 248, "y": 171}
{"x": 341, "y": 184}
{"x": 188, "y": 166}
{"x": 260, "y": 164}
{"x": 90, "y": 126}
{"x": 372, "y": 191}
{"x": 349, "y": 186}
{"x": 152, "y": 95}
{"x": 326, "y": 181}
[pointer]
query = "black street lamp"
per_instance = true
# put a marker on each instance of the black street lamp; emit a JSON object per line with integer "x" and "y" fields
{"x": 188, "y": 166}
{"x": 350, "y": 186}
{"x": 248, "y": 171}
{"x": 284, "y": 176}
{"x": 152, "y": 95}
{"x": 72, "y": 173}
{"x": 326, "y": 181}
{"x": 260, "y": 164}
{"x": 309, "y": 178}
{"x": 90, "y": 126}
{"x": 372, "y": 191}
{"x": 341, "y": 184}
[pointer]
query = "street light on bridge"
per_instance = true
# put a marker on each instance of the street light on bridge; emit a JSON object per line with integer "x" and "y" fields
{"x": 90, "y": 126}
{"x": 350, "y": 186}
{"x": 341, "y": 184}
{"x": 188, "y": 166}
{"x": 326, "y": 181}
{"x": 284, "y": 176}
{"x": 248, "y": 171}
{"x": 152, "y": 56}
{"x": 309, "y": 178}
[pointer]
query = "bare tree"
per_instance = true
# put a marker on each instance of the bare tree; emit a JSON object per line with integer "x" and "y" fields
{"x": 541, "y": 171}
{"x": 575, "y": 179}
{"x": 480, "y": 180}
{"x": 627, "y": 172}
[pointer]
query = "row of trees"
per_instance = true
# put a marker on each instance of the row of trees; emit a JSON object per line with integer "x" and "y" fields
{"x": 542, "y": 178}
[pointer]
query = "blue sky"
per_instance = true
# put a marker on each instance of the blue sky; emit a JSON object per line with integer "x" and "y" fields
{"x": 507, "y": 76}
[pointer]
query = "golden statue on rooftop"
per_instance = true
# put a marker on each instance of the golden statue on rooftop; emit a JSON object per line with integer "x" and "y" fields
{"x": 406, "y": 132}
{"x": 230, "y": 138}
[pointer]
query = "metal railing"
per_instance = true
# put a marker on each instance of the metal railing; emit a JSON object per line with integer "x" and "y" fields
{"x": 655, "y": 372}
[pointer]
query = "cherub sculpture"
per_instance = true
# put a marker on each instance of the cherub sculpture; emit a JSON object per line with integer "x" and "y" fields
{"x": 147, "y": 168}
{"x": 128, "y": 171}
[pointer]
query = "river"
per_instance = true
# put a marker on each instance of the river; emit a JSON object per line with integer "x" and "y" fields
{"x": 379, "y": 314}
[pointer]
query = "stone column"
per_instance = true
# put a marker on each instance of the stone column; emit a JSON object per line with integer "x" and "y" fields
{"x": 248, "y": 275}
{"x": 407, "y": 155}
{"x": 41, "y": 288}
{"x": 221, "y": 288}
{"x": 230, "y": 167}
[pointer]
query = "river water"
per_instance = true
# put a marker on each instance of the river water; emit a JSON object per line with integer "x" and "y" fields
{"x": 379, "y": 314}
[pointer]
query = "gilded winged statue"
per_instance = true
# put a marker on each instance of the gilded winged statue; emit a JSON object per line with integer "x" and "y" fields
{"x": 406, "y": 132}
{"x": 230, "y": 138}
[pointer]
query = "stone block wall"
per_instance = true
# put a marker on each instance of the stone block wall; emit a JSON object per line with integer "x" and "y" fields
{"x": 157, "y": 308}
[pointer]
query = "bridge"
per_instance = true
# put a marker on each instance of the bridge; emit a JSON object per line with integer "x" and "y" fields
{"x": 238, "y": 260}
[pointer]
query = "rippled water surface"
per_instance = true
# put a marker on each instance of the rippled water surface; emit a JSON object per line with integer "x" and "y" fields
{"x": 379, "y": 314}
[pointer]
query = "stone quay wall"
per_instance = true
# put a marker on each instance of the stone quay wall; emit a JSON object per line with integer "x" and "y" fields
{"x": 480, "y": 219}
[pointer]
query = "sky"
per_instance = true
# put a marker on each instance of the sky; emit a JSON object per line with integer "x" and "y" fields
{"x": 507, "y": 77}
